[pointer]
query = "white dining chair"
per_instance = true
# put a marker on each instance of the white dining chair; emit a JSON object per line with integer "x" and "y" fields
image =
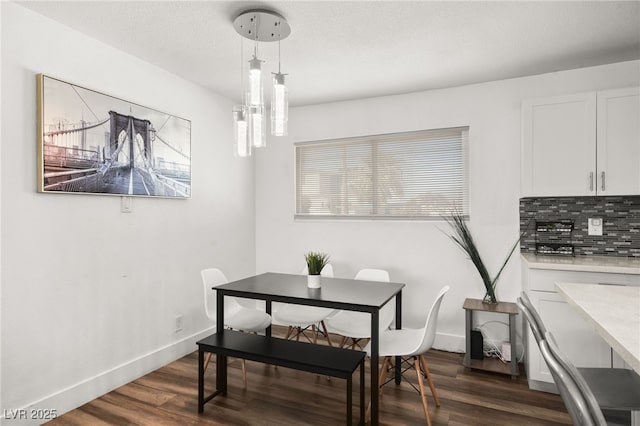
{"x": 299, "y": 318}
{"x": 236, "y": 316}
{"x": 357, "y": 325}
{"x": 411, "y": 344}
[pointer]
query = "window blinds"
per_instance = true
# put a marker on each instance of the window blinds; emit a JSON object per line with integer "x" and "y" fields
{"x": 411, "y": 175}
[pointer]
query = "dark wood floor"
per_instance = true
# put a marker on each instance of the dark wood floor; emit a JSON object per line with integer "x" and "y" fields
{"x": 279, "y": 396}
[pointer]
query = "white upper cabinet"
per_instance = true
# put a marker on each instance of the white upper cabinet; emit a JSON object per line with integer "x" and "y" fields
{"x": 578, "y": 144}
{"x": 618, "y": 135}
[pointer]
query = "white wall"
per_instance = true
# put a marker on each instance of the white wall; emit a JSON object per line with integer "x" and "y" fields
{"x": 90, "y": 294}
{"x": 419, "y": 253}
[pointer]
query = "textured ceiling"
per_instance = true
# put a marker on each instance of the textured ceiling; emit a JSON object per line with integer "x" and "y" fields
{"x": 341, "y": 50}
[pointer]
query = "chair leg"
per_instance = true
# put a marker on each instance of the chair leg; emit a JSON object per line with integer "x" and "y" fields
{"x": 383, "y": 373}
{"x": 314, "y": 332}
{"x": 326, "y": 333}
{"x": 289, "y": 332}
{"x": 244, "y": 373}
{"x": 343, "y": 341}
{"x": 416, "y": 364}
{"x": 425, "y": 369}
{"x": 206, "y": 362}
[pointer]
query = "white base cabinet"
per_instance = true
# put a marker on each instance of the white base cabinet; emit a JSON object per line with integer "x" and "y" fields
{"x": 575, "y": 337}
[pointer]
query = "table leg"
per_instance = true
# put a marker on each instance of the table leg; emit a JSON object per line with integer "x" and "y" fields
{"x": 375, "y": 350}
{"x": 268, "y": 310}
{"x": 512, "y": 341}
{"x": 398, "y": 370}
{"x": 221, "y": 361}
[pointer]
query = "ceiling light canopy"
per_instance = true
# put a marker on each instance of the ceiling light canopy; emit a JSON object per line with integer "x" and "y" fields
{"x": 259, "y": 25}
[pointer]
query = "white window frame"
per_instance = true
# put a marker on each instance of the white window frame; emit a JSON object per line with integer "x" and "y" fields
{"x": 454, "y": 140}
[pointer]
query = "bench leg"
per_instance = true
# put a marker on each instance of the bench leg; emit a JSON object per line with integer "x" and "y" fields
{"x": 221, "y": 374}
{"x": 362, "y": 419}
{"x": 201, "y": 381}
{"x": 350, "y": 400}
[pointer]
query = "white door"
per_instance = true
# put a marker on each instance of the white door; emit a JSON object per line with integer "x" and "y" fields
{"x": 559, "y": 146}
{"x": 618, "y": 154}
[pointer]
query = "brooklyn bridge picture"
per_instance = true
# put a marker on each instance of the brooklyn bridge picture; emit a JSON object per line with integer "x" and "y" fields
{"x": 93, "y": 143}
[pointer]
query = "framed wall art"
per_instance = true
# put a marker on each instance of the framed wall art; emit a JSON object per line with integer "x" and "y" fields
{"x": 93, "y": 143}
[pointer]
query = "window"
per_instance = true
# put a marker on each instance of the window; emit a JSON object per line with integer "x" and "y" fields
{"x": 411, "y": 175}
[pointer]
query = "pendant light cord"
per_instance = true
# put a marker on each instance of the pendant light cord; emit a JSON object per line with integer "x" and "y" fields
{"x": 241, "y": 71}
{"x": 255, "y": 32}
{"x": 278, "y": 56}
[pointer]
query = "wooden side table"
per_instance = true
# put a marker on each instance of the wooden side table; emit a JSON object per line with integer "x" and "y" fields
{"x": 491, "y": 364}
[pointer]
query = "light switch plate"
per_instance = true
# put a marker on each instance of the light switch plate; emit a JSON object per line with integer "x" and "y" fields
{"x": 595, "y": 226}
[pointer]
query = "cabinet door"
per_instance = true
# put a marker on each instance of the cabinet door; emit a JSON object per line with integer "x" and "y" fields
{"x": 559, "y": 146}
{"x": 575, "y": 337}
{"x": 618, "y": 158}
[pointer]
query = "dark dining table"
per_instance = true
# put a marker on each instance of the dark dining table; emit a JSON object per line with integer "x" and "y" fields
{"x": 335, "y": 293}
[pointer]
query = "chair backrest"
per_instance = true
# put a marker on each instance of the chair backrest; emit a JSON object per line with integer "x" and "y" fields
{"x": 388, "y": 311}
{"x": 533, "y": 318}
{"x": 213, "y": 277}
{"x": 569, "y": 392}
{"x": 429, "y": 334}
{"x": 585, "y": 403}
{"x": 327, "y": 271}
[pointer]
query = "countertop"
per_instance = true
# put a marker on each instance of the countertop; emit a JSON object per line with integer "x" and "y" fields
{"x": 614, "y": 312}
{"x": 606, "y": 264}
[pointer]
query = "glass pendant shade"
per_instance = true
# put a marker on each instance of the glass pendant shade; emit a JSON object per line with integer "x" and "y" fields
{"x": 250, "y": 118}
{"x": 254, "y": 93}
{"x": 257, "y": 126}
{"x": 279, "y": 106}
{"x": 241, "y": 131}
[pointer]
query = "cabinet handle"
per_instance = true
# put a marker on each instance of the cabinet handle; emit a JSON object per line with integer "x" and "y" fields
{"x": 591, "y": 181}
{"x": 602, "y": 180}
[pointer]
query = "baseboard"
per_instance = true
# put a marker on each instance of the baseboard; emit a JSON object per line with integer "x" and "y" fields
{"x": 543, "y": 386}
{"x": 80, "y": 393}
{"x": 449, "y": 342}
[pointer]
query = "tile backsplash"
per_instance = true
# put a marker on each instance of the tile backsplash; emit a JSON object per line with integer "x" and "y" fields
{"x": 621, "y": 220}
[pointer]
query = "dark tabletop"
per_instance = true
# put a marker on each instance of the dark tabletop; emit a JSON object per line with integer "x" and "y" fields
{"x": 334, "y": 293}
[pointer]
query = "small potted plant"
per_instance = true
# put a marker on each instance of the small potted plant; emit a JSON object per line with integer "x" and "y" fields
{"x": 315, "y": 262}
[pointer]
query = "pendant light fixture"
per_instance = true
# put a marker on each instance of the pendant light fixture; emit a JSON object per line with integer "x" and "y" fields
{"x": 241, "y": 131}
{"x": 240, "y": 119}
{"x": 279, "y": 103}
{"x": 249, "y": 118}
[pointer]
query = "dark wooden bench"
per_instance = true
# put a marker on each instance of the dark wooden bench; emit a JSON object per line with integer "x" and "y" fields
{"x": 323, "y": 360}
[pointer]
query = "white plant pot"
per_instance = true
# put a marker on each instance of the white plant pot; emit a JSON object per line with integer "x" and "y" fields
{"x": 313, "y": 281}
